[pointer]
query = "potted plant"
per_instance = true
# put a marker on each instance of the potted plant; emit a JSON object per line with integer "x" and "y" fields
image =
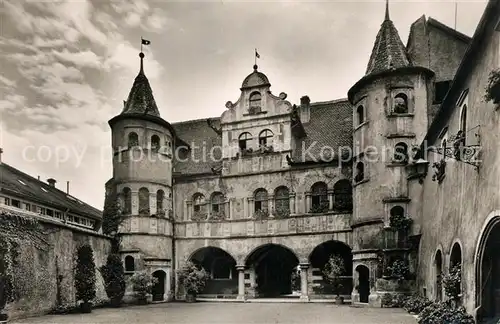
{"x": 193, "y": 279}
{"x": 332, "y": 273}
{"x": 142, "y": 285}
{"x": 85, "y": 277}
{"x": 114, "y": 279}
{"x": 493, "y": 87}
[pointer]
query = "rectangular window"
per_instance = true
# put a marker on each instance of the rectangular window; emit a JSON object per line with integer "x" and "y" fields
{"x": 7, "y": 201}
{"x": 27, "y": 207}
{"x": 50, "y": 212}
{"x": 57, "y": 214}
{"x": 440, "y": 91}
{"x": 16, "y": 203}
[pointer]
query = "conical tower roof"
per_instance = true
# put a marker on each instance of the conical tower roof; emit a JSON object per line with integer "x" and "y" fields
{"x": 140, "y": 99}
{"x": 388, "y": 51}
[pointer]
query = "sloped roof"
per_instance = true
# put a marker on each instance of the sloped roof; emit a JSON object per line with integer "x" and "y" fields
{"x": 140, "y": 99}
{"x": 388, "y": 51}
{"x": 330, "y": 126}
{"x": 40, "y": 192}
{"x": 201, "y": 138}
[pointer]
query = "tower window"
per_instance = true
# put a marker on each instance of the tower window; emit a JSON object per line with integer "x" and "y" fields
{"x": 144, "y": 201}
{"x": 401, "y": 153}
{"x": 155, "y": 143}
{"x": 129, "y": 263}
{"x": 133, "y": 140}
{"x": 217, "y": 202}
{"x": 265, "y": 138}
{"x": 244, "y": 141}
{"x": 282, "y": 202}
{"x": 360, "y": 111}
{"x": 261, "y": 202}
{"x": 360, "y": 172}
{"x": 127, "y": 199}
{"x": 160, "y": 196}
{"x": 255, "y": 103}
{"x": 199, "y": 203}
{"x": 401, "y": 104}
{"x": 319, "y": 197}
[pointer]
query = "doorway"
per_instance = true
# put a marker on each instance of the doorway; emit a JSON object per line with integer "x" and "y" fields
{"x": 158, "y": 290}
{"x": 363, "y": 283}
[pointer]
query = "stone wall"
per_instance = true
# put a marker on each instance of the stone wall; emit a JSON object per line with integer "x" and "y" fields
{"x": 40, "y": 265}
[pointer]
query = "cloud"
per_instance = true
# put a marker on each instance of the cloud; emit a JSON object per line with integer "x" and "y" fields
{"x": 85, "y": 58}
{"x": 6, "y": 82}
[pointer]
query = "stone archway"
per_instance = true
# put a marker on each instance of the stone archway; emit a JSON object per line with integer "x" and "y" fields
{"x": 487, "y": 269}
{"x": 363, "y": 283}
{"x": 273, "y": 266}
{"x": 320, "y": 256}
{"x": 221, "y": 267}
{"x": 158, "y": 291}
{"x": 438, "y": 264}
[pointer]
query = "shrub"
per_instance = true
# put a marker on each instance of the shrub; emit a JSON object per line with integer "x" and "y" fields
{"x": 192, "y": 278}
{"x": 142, "y": 284}
{"x": 415, "y": 304}
{"x": 400, "y": 222}
{"x": 444, "y": 312}
{"x": 399, "y": 269}
{"x": 114, "y": 278}
{"x": 393, "y": 300}
{"x": 452, "y": 283}
{"x": 332, "y": 271}
{"x": 493, "y": 87}
{"x": 85, "y": 274}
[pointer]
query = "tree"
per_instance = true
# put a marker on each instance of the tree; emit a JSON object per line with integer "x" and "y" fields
{"x": 85, "y": 276}
{"x": 332, "y": 271}
{"x": 192, "y": 278}
{"x": 111, "y": 216}
{"x": 114, "y": 279}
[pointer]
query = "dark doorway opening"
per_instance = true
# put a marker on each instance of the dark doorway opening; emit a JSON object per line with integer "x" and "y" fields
{"x": 364, "y": 283}
{"x": 158, "y": 291}
{"x": 274, "y": 265}
{"x": 490, "y": 281}
{"x": 439, "y": 274}
{"x": 221, "y": 267}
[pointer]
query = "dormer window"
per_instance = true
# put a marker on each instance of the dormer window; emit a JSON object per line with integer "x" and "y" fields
{"x": 133, "y": 140}
{"x": 244, "y": 141}
{"x": 265, "y": 139}
{"x": 401, "y": 104}
{"x": 255, "y": 103}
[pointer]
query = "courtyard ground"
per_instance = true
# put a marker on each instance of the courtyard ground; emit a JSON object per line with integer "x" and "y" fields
{"x": 241, "y": 313}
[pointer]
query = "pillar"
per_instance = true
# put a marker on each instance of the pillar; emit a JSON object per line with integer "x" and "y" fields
{"x": 250, "y": 207}
{"x": 188, "y": 209}
{"x": 292, "y": 203}
{"x": 330, "y": 199}
{"x": 304, "y": 296}
{"x": 135, "y": 202}
{"x": 152, "y": 203}
{"x": 270, "y": 202}
{"x": 308, "y": 202}
{"x": 241, "y": 282}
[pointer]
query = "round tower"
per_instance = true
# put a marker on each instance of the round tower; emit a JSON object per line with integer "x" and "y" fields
{"x": 390, "y": 117}
{"x": 142, "y": 176}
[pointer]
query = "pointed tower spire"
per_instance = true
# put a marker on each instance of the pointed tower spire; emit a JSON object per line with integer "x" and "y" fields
{"x": 140, "y": 99}
{"x": 388, "y": 51}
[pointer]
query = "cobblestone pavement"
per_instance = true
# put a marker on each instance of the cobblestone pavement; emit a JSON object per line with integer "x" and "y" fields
{"x": 241, "y": 313}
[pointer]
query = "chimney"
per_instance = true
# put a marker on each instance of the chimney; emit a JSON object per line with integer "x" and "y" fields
{"x": 1, "y": 151}
{"x": 38, "y": 177}
{"x": 305, "y": 112}
{"x": 52, "y": 182}
{"x": 67, "y": 187}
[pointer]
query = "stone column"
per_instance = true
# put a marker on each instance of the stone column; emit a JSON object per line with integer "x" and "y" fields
{"x": 308, "y": 202}
{"x": 292, "y": 203}
{"x": 250, "y": 207}
{"x": 241, "y": 282}
{"x": 152, "y": 203}
{"x": 135, "y": 203}
{"x": 304, "y": 296}
{"x": 270, "y": 205}
{"x": 189, "y": 210}
{"x": 330, "y": 199}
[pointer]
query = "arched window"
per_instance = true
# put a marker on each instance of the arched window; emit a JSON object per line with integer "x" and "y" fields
{"x": 155, "y": 143}
{"x": 143, "y": 201}
{"x": 360, "y": 172}
{"x": 261, "y": 200}
{"x": 217, "y": 202}
{"x": 245, "y": 141}
{"x": 319, "y": 197}
{"x": 255, "y": 102}
{"x": 397, "y": 211}
{"x": 282, "y": 202}
{"x": 129, "y": 263}
{"x": 401, "y": 153}
{"x": 133, "y": 140}
{"x": 463, "y": 124}
{"x": 438, "y": 263}
{"x": 127, "y": 201}
{"x": 360, "y": 111}
{"x": 160, "y": 196}
{"x": 342, "y": 195}
{"x": 401, "y": 104}
{"x": 199, "y": 204}
{"x": 265, "y": 138}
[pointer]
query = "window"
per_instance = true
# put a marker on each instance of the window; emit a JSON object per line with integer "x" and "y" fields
{"x": 42, "y": 211}
{"x": 261, "y": 200}
{"x": 199, "y": 203}
{"x": 342, "y": 195}
{"x": 50, "y": 212}
{"x": 244, "y": 141}
{"x": 155, "y": 143}
{"x": 217, "y": 202}
{"x": 440, "y": 91}
{"x": 7, "y": 201}
{"x": 16, "y": 203}
{"x": 58, "y": 214}
{"x": 463, "y": 124}
{"x": 127, "y": 200}
{"x": 265, "y": 138}
{"x": 397, "y": 211}
{"x": 133, "y": 140}
{"x": 360, "y": 172}
{"x": 143, "y": 201}
{"x": 401, "y": 104}
{"x": 282, "y": 202}
{"x": 27, "y": 207}
{"x": 360, "y": 111}
{"x": 129, "y": 263}
{"x": 401, "y": 153}
{"x": 319, "y": 197}
{"x": 160, "y": 196}
{"x": 255, "y": 103}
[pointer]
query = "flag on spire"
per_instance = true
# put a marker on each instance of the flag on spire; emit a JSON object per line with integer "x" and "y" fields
{"x": 257, "y": 54}
{"x": 145, "y": 41}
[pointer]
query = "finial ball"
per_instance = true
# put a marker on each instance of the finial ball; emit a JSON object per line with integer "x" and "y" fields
{"x": 141, "y": 55}
{"x": 255, "y": 67}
